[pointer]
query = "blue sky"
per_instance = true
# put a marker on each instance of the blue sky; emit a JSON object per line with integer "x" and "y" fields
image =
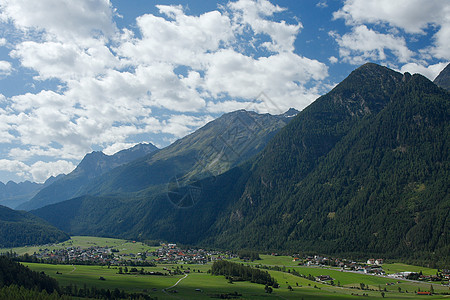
{"x": 78, "y": 76}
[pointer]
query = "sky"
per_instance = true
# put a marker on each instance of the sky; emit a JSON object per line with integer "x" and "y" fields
{"x": 104, "y": 75}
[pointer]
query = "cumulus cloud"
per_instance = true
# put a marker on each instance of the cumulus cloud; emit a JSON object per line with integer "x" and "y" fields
{"x": 363, "y": 44}
{"x": 116, "y": 147}
{"x": 430, "y": 71}
{"x": 254, "y": 13}
{"x": 412, "y": 16}
{"x": 333, "y": 59}
{"x": 5, "y": 68}
{"x": 39, "y": 171}
{"x": 64, "y": 61}
{"x": 64, "y": 20}
{"x": 110, "y": 81}
{"x": 181, "y": 125}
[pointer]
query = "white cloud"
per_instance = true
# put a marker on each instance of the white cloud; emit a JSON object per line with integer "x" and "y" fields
{"x": 64, "y": 20}
{"x": 279, "y": 76}
{"x": 322, "y": 4}
{"x": 181, "y": 39}
{"x": 412, "y": 16}
{"x": 64, "y": 61}
{"x": 181, "y": 125}
{"x": 116, "y": 147}
{"x": 332, "y": 59}
{"x": 41, "y": 171}
{"x": 254, "y": 13}
{"x": 5, "y": 68}
{"x": 111, "y": 81}
{"x": 430, "y": 71}
{"x": 15, "y": 166}
{"x": 364, "y": 44}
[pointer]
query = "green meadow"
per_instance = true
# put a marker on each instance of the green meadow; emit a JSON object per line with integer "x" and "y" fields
{"x": 399, "y": 267}
{"x": 201, "y": 285}
{"x": 84, "y": 242}
{"x": 198, "y": 284}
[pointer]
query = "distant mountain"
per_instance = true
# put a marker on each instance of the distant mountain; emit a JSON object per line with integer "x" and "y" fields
{"x": 19, "y": 228}
{"x": 364, "y": 169}
{"x": 14, "y": 194}
{"x": 443, "y": 79}
{"x": 209, "y": 151}
{"x": 93, "y": 165}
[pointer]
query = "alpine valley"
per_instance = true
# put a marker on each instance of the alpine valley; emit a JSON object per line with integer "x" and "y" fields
{"x": 363, "y": 170}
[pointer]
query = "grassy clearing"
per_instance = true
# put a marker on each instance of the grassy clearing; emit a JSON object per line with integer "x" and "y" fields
{"x": 399, "y": 267}
{"x": 84, "y": 242}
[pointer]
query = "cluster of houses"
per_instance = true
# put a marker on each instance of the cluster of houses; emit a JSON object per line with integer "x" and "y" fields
{"x": 95, "y": 255}
{"x": 167, "y": 253}
{"x": 170, "y": 253}
{"x": 372, "y": 266}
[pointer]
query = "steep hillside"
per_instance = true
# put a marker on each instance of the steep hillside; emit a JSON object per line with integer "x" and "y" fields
{"x": 443, "y": 79}
{"x": 19, "y": 228}
{"x": 93, "y": 165}
{"x": 383, "y": 188}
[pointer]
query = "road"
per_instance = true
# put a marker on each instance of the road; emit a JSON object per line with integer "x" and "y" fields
{"x": 179, "y": 280}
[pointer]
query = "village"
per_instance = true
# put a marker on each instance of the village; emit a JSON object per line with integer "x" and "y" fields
{"x": 170, "y": 253}
{"x": 371, "y": 266}
{"x": 104, "y": 255}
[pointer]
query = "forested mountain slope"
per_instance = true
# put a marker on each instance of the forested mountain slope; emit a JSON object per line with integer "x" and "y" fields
{"x": 19, "y": 228}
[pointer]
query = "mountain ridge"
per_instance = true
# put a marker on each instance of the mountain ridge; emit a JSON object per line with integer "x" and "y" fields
{"x": 19, "y": 228}
{"x": 92, "y": 165}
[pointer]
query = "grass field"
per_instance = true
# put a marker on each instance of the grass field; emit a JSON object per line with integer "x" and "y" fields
{"x": 211, "y": 286}
{"x": 84, "y": 242}
{"x": 399, "y": 267}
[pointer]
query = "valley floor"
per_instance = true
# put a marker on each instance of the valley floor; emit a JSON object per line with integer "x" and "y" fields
{"x": 177, "y": 280}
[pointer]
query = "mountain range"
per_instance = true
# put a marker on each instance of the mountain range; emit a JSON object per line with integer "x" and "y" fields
{"x": 363, "y": 169}
{"x": 14, "y": 194}
{"x": 93, "y": 165}
{"x": 211, "y": 150}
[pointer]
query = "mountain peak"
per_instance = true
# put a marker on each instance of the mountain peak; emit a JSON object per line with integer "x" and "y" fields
{"x": 292, "y": 112}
